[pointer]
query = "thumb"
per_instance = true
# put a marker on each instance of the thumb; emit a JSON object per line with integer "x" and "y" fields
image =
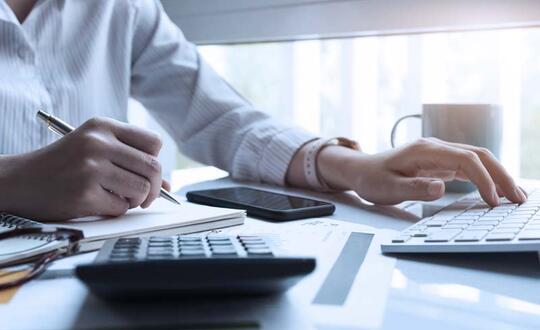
{"x": 418, "y": 188}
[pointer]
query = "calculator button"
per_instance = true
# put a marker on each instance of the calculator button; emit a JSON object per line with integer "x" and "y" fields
{"x": 160, "y": 239}
{"x": 224, "y": 253}
{"x": 218, "y": 238}
{"x": 159, "y": 245}
{"x": 190, "y": 243}
{"x": 126, "y": 248}
{"x": 223, "y": 248}
{"x": 130, "y": 240}
{"x": 257, "y": 251}
{"x": 122, "y": 259}
{"x": 255, "y": 244}
{"x": 190, "y": 253}
{"x": 158, "y": 257}
{"x": 189, "y": 239}
{"x": 221, "y": 243}
{"x": 191, "y": 248}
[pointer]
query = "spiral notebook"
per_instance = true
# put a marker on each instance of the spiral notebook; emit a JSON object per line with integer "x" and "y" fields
{"x": 27, "y": 247}
{"x": 162, "y": 218}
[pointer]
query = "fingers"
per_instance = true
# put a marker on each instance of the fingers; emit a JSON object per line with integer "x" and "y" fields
{"x": 500, "y": 176}
{"x": 439, "y": 174}
{"x": 110, "y": 204}
{"x": 422, "y": 189}
{"x": 141, "y": 164}
{"x": 446, "y": 157}
{"x": 433, "y": 156}
{"x": 138, "y": 138}
{"x": 134, "y": 188}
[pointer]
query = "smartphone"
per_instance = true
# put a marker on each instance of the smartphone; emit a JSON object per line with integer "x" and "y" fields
{"x": 262, "y": 204}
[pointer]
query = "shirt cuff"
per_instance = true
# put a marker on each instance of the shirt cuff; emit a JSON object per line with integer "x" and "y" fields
{"x": 267, "y": 159}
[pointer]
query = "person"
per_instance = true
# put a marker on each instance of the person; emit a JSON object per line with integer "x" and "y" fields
{"x": 82, "y": 60}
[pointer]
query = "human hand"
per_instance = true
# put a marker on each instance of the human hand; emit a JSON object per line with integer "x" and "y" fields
{"x": 103, "y": 168}
{"x": 417, "y": 171}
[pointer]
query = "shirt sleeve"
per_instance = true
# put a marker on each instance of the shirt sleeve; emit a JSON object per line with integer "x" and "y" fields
{"x": 207, "y": 118}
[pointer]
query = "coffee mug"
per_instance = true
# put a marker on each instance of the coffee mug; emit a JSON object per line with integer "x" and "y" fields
{"x": 475, "y": 124}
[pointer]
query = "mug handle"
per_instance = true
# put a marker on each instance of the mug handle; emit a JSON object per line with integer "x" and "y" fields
{"x": 394, "y": 128}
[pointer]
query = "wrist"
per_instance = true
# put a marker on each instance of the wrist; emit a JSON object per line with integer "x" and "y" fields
{"x": 339, "y": 166}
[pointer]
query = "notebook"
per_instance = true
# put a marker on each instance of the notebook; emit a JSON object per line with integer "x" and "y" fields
{"x": 162, "y": 218}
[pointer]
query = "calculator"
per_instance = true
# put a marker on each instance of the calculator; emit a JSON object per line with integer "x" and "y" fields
{"x": 188, "y": 265}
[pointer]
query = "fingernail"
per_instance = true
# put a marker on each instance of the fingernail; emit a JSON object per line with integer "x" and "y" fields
{"x": 435, "y": 188}
{"x": 522, "y": 196}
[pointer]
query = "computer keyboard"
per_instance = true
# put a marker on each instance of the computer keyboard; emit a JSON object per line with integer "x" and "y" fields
{"x": 471, "y": 225}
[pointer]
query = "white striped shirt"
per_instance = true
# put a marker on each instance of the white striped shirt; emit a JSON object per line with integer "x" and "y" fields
{"x": 79, "y": 59}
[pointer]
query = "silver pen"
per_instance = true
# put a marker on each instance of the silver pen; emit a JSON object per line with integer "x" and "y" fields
{"x": 61, "y": 128}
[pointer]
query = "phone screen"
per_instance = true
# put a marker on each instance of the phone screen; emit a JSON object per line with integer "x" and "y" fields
{"x": 259, "y": 198}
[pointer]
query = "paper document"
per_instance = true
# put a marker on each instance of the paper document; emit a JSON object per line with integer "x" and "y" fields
{"x": 162, "y": 217}
{"x": 350, "y": 284}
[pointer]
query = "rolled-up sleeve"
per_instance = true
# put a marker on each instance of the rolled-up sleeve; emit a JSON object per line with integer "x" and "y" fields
{"x": 207, "y": 118}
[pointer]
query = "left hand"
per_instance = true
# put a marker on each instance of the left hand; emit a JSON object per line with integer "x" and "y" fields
{"x": 417, "y": 171}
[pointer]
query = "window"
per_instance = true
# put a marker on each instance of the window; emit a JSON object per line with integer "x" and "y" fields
{"x": 358, "y": 87}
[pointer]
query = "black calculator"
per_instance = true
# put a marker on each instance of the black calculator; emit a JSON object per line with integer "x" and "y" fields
{"x": 188, "y": 265}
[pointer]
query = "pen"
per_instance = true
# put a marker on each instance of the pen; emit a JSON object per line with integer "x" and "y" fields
{"x": 61, "y": 128}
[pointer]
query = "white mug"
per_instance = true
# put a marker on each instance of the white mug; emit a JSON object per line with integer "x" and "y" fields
{"x": 475, "y": 124}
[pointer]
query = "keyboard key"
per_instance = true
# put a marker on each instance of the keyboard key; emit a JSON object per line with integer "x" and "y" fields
{"x": 510, "y": 225}
{"x": 442, "y": 236}
{"x": 471, "y": 236}
{"x": 508, "y": 221}
{"x": 460, "y": 222}
{"x": 479, "y": 227}
{"x": 454, "y": 226}
{"x": 493, "y": 237}
{"x": 467, "y": 217}
{"x": 529, "y": 235}
{"x": 473, "y": 213}
{"x": 401, "y": 239}
{"x": 485, "y": 223}
{"x": 506, "y": 230}
{"x": 444, "y": 215}
{"x": 436, "y": 223}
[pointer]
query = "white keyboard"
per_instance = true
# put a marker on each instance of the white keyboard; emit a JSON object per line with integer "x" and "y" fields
{"x": 470, "y": 225}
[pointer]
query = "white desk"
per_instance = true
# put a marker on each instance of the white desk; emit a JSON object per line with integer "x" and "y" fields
{"x": 426, "y": 292}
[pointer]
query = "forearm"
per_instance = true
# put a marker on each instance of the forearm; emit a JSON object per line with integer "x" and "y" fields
{"x": 5, "y": 181}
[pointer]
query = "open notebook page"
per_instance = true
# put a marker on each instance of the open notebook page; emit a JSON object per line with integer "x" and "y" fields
{"x": 159, "y": 216}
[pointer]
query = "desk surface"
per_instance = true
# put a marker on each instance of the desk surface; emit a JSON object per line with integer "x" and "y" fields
{"x": 499, "y": 291}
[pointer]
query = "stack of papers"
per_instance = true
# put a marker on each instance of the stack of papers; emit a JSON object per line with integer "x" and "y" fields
{"x": 161, "y": 218}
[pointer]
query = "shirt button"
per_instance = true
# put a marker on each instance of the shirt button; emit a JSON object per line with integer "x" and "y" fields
{"x": 23, "y": 54}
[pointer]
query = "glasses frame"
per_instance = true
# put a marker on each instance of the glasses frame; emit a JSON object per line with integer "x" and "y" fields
{"x": 40, "y": 263}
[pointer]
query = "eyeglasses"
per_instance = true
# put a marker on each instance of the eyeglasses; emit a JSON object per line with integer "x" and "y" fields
{"x": 22, "y": 271}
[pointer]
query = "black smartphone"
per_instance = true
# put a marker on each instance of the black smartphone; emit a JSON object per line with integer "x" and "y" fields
{"x": 262, "y": 204}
